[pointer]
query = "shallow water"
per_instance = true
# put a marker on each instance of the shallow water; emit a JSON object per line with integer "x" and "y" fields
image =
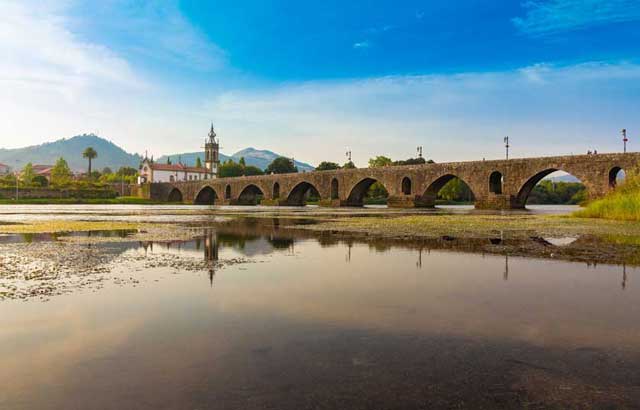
{"x": 257, "y": 317}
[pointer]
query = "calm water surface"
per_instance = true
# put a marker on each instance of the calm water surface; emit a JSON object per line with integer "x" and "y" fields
{"x": 303, "y": 323}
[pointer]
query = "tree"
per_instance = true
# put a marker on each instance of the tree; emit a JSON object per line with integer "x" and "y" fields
{"x": 106, "y": 170}
{"x": 127, "y": 171}
{"x": 198, "y": 163}
{"x": 230, "y": 168}
{"x": 349, "y": 165}
{"x": 413, "y": 161}
{"x": 60, "y": 173}
{"x": 40, "y": 181}
{"x": 28, "y": 174}
{"x": 456, "y": 190}
{"x": 168, "y": 160}
{"x": 281, "y": 165}
{"x": 89, "y": 153}
{"x": 242, "y": 162}
{"x": 380, "y": 161}
{"x": 327, "y": 166}
{"x": 252, "y": 170}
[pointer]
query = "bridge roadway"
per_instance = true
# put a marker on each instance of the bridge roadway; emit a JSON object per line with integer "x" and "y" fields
{"x": 496, "y": 184}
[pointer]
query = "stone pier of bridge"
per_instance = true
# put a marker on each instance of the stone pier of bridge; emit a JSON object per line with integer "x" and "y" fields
{"x": 495, "y": 184}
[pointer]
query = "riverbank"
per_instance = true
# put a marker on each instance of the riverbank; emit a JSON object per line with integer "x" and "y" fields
{"x": 123, "y": 200}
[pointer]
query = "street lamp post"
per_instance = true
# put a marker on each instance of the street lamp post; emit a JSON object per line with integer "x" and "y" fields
{"x": 420, "y": 151}
{"x": 348, "y": 154}
{"x": 624, "y": 139}
{"x": 17, "y": 174}
{"x": 506, "y": 146}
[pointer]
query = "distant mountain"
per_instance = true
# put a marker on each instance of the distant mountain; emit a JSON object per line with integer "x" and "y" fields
{"x": 109, "y": 154}
{"x": 252, "y": 156}
{"x": 563, "y": 178}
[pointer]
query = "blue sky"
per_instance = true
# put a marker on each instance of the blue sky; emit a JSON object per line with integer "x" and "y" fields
{"x": 311, "y": 79}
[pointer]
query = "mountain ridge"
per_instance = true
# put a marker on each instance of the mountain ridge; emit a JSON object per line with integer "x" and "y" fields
{"x": 113, "y": 156}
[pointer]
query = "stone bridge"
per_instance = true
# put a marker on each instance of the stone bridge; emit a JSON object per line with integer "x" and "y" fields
{"x": 496, "y": 184}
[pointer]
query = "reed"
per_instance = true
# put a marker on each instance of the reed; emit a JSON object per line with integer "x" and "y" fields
{"x": 622, "y": 204}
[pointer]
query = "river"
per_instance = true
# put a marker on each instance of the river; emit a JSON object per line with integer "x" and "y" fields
{"x": 250, "y": 315}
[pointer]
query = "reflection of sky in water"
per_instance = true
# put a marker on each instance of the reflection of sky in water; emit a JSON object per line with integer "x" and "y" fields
{"x": 169, "y": 332}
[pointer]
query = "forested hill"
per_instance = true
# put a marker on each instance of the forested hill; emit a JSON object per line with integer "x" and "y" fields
{"x": 109, "y": 154}
{"x": 252, "y": 156}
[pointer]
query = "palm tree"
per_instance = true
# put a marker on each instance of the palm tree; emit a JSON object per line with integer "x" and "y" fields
{"x": 90, "y": 154}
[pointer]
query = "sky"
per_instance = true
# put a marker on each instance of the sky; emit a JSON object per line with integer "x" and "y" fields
{"x": 312, "y": 80}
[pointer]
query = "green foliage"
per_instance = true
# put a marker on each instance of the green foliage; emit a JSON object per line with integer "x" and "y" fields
{"x": 40, "y": 181}
{"x": 456, "y": 191}
{"x": 413, "y": 161}
{"x": 89, "y": 153}
{"x": 242, "y": 162}
{"x": 549, "y": 192}
{"x": 380, "y": 161}
{"x": 327, "y": 166}
{"x": 621, "y": 204}
{"x": 281, "y": 165}
{"x": 349, "y": 165}
{"x": 107, "y": 170}
{"x": 252, "y": 170}
{"x": 168, "y": 160}
{"x": 377, "y": 191}
{"x": 28, "y": 174}
{"x": 60, "y": 173}
{"x": 198, "y": 163}
{"x": 229, "y": 169}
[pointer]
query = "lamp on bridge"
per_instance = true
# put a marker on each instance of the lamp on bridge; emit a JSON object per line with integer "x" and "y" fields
{"x": 624, "y": 139}
{"x": 506, "y": 145}
{"x": 420, "y": 151}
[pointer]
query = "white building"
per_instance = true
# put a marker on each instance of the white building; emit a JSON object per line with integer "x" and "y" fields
{"x": 151, "y": 171}
{"x": 4, "y": 169}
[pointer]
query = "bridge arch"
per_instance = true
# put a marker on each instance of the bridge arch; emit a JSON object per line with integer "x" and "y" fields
{"x": 434, "y": 188}
{"x": 175, "y": 195}
{"x": 495, "y": 182}
{"x": 299, "y": 194}
{"x": 206, "y": 196}
{"x": 360, "y": 189}
{"x": 525, "y": 190}
{"x": 250, "y": 195}
{"x": 615, "y": 174}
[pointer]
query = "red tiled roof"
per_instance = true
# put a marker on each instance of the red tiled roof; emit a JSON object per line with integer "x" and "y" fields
{"x": 178, "y": 168}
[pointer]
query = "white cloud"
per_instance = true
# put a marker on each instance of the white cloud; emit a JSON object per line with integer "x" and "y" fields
{"x": 362, "y": 45}
{"x": 552, "y": 16}
{"x": 546, "y": 110}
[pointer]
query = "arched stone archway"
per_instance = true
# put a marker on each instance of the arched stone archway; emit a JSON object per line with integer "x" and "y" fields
{"x": 175, "y": 195}
{"x": 335, "y": 189}
{"x": 406, "y": 186}
{"x": 614, "y": 176}
{"x": 276, "y": 191}
{"x": 495, "y": 183}
{"x": 301, "y": 192}
{"x": 206, "y": 196}
{"x": 250, "y": 195}
{"x": 525, "y": 190}
{"x": 359, "y": 191}
{"x": 431, "y": 192}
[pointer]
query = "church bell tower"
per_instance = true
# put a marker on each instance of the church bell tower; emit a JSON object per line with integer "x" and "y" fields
{"x": 211, "y": 153}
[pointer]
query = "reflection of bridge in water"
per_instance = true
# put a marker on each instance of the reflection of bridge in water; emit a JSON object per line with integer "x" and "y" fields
{"x": 495, "y": 184}
{"x": 252, "y": 238}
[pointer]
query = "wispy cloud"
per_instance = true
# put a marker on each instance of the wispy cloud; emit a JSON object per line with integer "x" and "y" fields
{"x": 362, "y": 45}
{"x": 547, "y": 109}
{"x": 553, "y": 16}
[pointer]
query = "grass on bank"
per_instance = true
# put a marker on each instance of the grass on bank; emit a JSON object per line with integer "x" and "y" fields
{"x": 123, "y": 200}
{"x": 622, "y": 204}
